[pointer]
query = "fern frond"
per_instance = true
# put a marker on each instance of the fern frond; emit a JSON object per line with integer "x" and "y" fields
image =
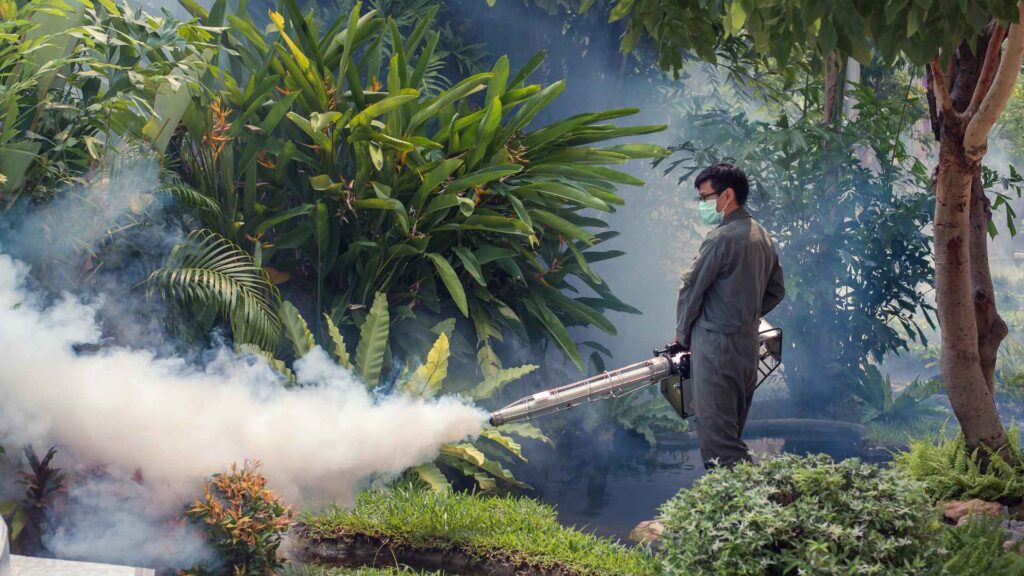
{"x": 212, "y": 270}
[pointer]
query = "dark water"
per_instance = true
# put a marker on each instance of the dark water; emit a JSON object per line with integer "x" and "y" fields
{"x": 608, "y": 484}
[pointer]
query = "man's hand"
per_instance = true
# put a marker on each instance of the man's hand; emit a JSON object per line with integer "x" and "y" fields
{"x": 675, "y": 347}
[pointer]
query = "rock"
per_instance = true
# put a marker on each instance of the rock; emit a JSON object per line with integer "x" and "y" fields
{"x": 647, "y": 532}
{"x": 956, "y": 511}
{"x": 1015, "y": 536}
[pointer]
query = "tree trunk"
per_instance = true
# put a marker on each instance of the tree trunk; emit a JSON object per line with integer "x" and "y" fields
{"x": 970, "y": 393}
{"x": 965, "y": 100}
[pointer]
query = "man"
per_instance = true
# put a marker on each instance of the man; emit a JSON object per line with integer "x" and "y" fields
{"x": 734, "y": 281}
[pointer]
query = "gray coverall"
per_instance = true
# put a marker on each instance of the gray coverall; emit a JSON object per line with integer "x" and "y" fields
{"x": 734, "y": 281}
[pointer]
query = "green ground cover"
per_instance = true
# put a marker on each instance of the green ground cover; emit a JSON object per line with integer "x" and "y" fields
{"x": 314, "y": 570}
{"x": 518, "y": 529}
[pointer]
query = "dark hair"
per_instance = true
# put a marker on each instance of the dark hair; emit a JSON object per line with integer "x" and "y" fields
{"x": 725, "y": 175}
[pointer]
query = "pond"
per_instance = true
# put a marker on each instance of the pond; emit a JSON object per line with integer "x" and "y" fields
{"x": 608, "y": 484}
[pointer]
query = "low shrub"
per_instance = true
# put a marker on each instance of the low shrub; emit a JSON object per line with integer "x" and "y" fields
{"x": 243, "y": 521}
{"x": 801, "y": 515}
{"x": 949, "y": 471}
{"x": 977, "y": 548}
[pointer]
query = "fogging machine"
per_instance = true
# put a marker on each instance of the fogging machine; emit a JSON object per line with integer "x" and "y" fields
{"x": 670, "y": 367}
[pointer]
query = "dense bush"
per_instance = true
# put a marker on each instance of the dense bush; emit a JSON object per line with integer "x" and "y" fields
{"x": 950, "y": 471}
{"x": 800, "y": 515}
{"x": 243, "y": 520}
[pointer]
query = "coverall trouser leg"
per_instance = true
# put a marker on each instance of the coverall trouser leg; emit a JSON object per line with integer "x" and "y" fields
{"x": 724, "y": 373}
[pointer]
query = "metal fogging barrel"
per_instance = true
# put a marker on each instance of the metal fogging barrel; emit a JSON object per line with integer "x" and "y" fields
{"x": 628, "y": 379}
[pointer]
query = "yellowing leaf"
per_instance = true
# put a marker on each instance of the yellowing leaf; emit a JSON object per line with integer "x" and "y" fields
{"x": 340, "y": 351}
{"x": 428, "y": 378}
{"x": 433, "y": 476}
{"x": 510, "y": 444}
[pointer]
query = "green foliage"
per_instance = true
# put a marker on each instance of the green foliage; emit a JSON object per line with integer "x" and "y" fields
{"x": 521, "y": 529}
{"x": 783, "y": 30}
{"x": 26, "y": 517}
{"x": 878, "y": 404}
{"x": 950, "y": 471}
{"x": 978, "y": 548}
{"x": 800, "y": 515}
{"x": 243, "y": 521}
{"x": 327, "y": 160}
{"x": 211, "y": 271}
{"x": 314, "y": 570}
{"x": 1009, "y": 376}
{"x": 479, "y": 461}
{"x": 77, "y": 78}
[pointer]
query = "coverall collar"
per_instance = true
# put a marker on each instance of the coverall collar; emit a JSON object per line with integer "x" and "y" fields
{"x": 739, "y": 213}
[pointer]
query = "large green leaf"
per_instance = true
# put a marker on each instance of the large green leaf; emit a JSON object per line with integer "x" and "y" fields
{"x": 373, "y": 341}
{"x": 495, "y": 382}
{"x": 295, "y": 329}
{"x": 451, "y": 281}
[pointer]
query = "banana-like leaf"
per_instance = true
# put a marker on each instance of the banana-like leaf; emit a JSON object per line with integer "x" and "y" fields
{"x": 432, "y": 476}
{"x": 451, "y": 281}
{"x": 540, "y": 310}
{"x": 563, "y": 226}
{"x": 427, "y": 380}
{"x": 277, "y": 364}
{"x": 295, "y": 329}
{"x": 464, "y": 451}
{"x": 453, "y": 94}
{"x": 340, "y": 351}
{"x": 210, "y": 269}
{"x": 494, "y": 383}
{"x": 483, "y": 176}
{"x": 525, "y": 430}
{"x": 373, "y": 341}
{"x": 509, "y": 444}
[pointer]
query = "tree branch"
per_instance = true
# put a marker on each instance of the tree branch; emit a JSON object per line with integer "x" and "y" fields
{"x": 988, "y": 70}
{"x": 994, "y": 102}
{"x": 942, "y": 99}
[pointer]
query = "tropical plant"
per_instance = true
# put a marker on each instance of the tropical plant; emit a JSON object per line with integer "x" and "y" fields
{"x": 76, "y": 77}
{"x": 26, "y": 517}
{"x": 878, "y": 404}
{"x": 800, "y": 515}
{"x": 950, "y": 470}
{"x": 333, "y": 170}
{"x": 479, "y": 460}
{"x": 243, "y": 520}
{"x": 210, "y": 271}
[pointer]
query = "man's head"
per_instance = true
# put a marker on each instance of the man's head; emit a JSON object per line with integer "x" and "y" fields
{"x": 725, "y": 184}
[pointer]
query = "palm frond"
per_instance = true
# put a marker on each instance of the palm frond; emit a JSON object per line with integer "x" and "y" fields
{"x": 211, "y": 269}
{"x": 188, "y": 196}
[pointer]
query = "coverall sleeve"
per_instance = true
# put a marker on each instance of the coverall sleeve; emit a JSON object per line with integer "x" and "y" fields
{"x": 776, "y": 289}
{"x": 696, "y": 281}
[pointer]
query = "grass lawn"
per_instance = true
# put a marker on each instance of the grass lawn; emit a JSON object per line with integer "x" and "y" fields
{"x": 519, "y": 531}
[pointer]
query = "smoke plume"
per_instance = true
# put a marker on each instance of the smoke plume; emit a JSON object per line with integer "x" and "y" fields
{"x": 130, "y": 412}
